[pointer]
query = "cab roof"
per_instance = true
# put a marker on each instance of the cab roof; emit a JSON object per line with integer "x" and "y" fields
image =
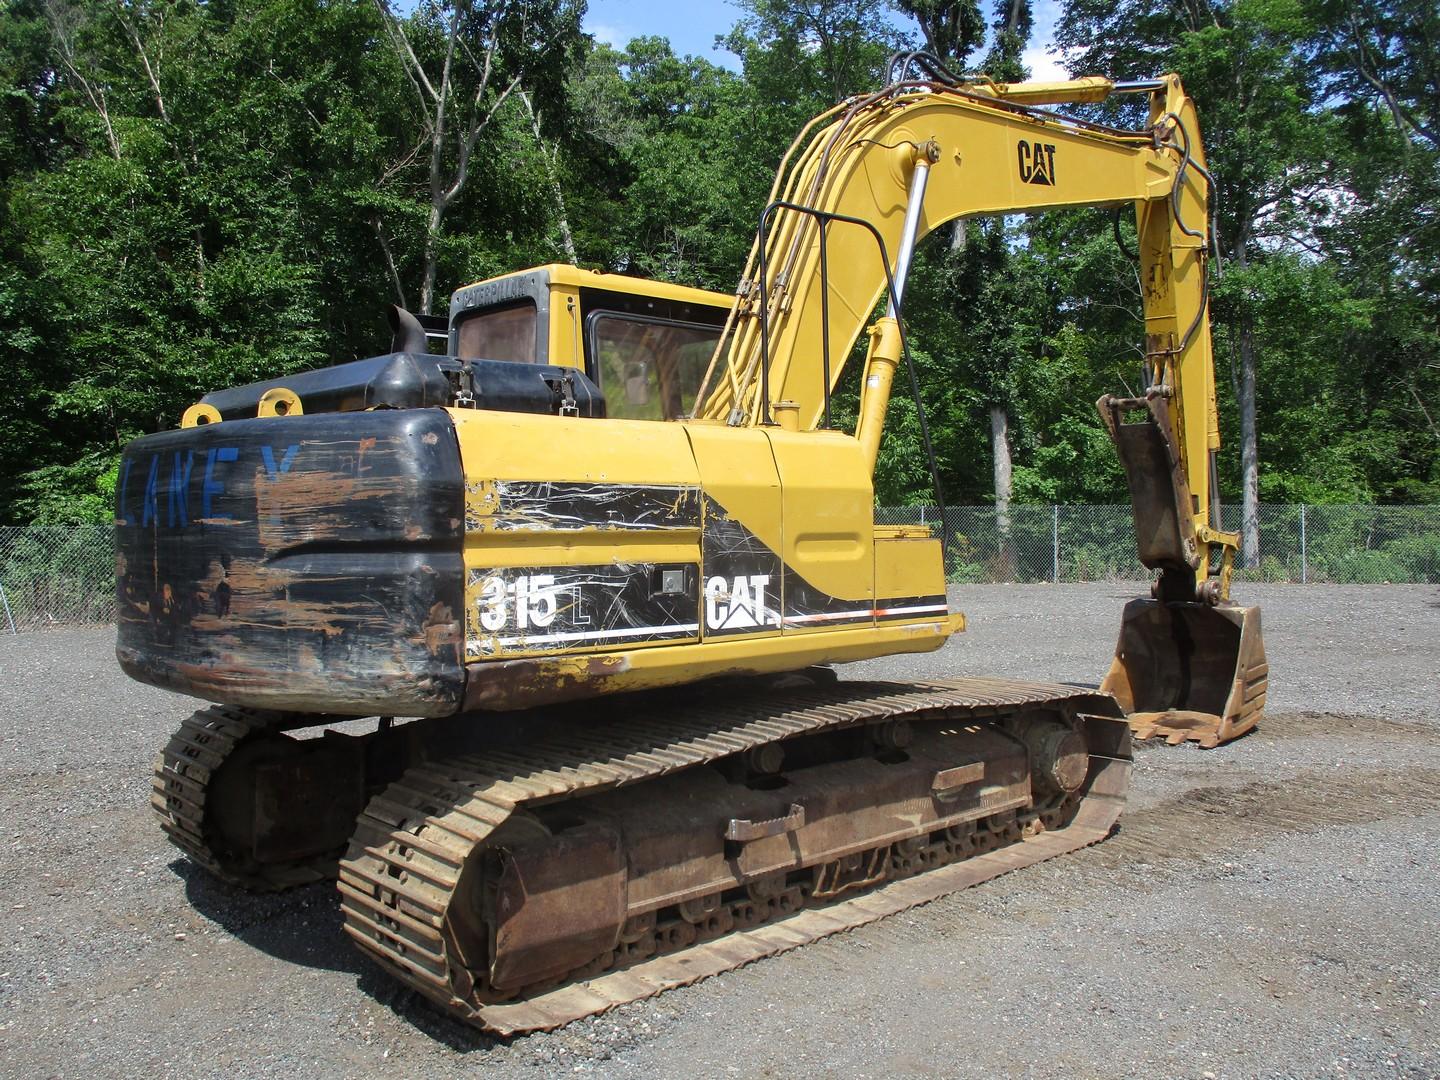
{"x": 566, "y": 274}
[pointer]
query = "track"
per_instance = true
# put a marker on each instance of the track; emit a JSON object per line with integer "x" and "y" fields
{"x": 184, "y": 796}
{"x": 402, "y": 880}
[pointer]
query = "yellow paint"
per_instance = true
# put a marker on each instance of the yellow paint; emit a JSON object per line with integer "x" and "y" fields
{"x": 880, "y": 363}
{"x": 806, "y": 496}
{"x": 525, "y": 446}
{"x": 279, "y": 401}
{"x": 828, "y": 514}
{"x": 669, "y": 664}
{"x": 1089, "y": 90}
{"x": 907, "y": 565}
{"x": 199, "y": 414}
{"x": 564, "y": 276}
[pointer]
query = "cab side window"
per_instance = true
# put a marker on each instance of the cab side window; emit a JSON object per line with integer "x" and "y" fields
{"x": 649, "y": 369}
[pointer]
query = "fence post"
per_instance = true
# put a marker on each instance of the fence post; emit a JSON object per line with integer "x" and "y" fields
{"x": 1304, "y": 554}
{"x": 4, "y": 600}
{"x": 1055, "y": 543}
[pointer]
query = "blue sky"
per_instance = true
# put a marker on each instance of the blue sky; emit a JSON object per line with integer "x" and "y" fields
{"x": 691, "y": 26}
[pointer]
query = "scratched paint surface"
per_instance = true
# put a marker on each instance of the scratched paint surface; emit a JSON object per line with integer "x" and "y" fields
{"x": 308, "y": 562}
{"x": 748, "y": 587}
{"x": 572, "y": 506}
{"x": 740, "y": 587}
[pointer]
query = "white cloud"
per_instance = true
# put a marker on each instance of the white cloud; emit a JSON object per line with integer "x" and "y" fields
{"x": 1044, "y": 67}
{"x": 609, "y": 35}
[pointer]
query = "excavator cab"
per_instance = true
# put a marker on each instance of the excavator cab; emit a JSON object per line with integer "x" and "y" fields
{"x": 1190, "y": 664}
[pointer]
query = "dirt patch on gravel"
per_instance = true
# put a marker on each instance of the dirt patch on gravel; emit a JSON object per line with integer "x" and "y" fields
{"x": 1307, "y": 724}
{"x": 1215, "y": 819}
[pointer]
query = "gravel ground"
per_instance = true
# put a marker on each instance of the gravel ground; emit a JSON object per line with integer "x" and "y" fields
{"x": 1268, "y": 908}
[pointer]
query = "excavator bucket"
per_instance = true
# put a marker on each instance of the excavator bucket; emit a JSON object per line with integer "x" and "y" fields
{"x": 1189, "y": 671}
{"x": 1183, "y": 668}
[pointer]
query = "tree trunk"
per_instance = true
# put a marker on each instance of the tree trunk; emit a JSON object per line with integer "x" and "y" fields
{"x": 552, "y": 173}
{"x": 431, "y": 256}
{"x": 1000, "y": 453}
{"x": 1249, "y": 453}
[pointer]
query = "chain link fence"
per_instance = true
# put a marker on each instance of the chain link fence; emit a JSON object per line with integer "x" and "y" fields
{"x": 53, "y": 575}
{"x": 1354, "y": 544}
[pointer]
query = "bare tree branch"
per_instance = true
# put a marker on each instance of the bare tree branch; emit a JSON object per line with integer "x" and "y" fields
{"x": 437, "y": 136}
{"x": 60, "y": 19}
{"x": 552, "y": 172}
{"x": 152, "y": 72}
{"x": 390, "y": 266}
{"x": 1359, "y": 54}
{"x": 414, "y": 68}
{"x": 462, "y": 171}
{"x": 1430, "y": 420}
{"x": 270, "y": 70}
{"x": 399, "y": 165}
{"x": 452, "y": 124}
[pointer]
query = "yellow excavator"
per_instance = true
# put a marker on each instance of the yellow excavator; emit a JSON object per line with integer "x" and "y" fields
{"x": 589, "y": 567}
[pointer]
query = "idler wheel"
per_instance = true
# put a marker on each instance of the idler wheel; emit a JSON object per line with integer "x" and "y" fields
{"x": 1059, "y": 758}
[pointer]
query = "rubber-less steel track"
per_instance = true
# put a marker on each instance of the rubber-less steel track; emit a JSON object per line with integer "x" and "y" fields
{"x": 398, "y": 877}
{"x": 183, "y": 796}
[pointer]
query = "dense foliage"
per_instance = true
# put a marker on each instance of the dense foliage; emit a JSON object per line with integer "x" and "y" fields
{"x": 201, "y": 194}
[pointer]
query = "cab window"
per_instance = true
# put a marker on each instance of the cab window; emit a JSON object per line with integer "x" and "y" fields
{"x": 648, "y": 368}
{"x": 506, "y": 333}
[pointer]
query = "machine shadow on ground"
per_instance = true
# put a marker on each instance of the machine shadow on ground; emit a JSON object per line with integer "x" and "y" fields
{"x": 304, "y": 927}
{"x": 299, "y": 926}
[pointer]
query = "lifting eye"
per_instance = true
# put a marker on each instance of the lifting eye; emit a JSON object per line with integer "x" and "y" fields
{"x": 278, "y": 401}
{"x": 199, "y": 414}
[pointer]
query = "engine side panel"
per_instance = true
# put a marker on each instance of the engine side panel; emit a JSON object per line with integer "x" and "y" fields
{"x": 611, "y": 555}
{"x": 581, "y": 535}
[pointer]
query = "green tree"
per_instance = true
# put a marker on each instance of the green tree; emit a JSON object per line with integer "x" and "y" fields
{"x": 813, "y": 53}
{"x": 191, "y": 195}
{"x": 464, "y": 60}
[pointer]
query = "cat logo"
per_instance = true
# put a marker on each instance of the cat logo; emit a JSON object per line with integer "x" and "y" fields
{"x": 1037, "y": 163}
{"x": 738, "y": 603}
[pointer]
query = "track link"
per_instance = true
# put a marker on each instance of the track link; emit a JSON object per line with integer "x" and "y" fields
{"x": 399, "y": 878}
{"x": 183, "y": 797}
